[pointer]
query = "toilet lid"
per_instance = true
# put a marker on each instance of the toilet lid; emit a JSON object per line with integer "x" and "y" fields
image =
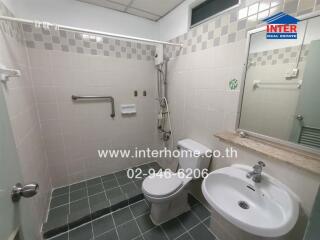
{"x": 161, "y": 186}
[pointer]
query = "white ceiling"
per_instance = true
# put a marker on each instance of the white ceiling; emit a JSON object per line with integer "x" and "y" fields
{"x": 150, "y": 9}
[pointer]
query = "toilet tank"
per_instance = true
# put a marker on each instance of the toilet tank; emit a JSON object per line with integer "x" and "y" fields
{"x": 188, "y": 162}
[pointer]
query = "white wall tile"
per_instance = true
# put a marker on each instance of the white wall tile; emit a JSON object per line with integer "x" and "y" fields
{"x": 21, "y": 105}
{"x": 202, "y": 104}
{"x": 74, "y": 131}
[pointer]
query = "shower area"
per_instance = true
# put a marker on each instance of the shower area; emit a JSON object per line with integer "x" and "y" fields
{"x": 68, "y": 92}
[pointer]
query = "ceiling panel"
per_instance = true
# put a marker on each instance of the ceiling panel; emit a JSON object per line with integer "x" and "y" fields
{"x": 143, "y": 14}
{"x": 123, "y": 2}
{"x": 150, "y": 9}
{"x": 106, "y": 4}
{"x": 160, "y": 7}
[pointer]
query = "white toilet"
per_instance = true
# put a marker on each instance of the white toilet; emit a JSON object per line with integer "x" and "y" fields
{"x": 168, "y": 194}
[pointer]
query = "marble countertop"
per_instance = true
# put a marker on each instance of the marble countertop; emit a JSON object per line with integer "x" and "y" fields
{"x": 301, "y": 159}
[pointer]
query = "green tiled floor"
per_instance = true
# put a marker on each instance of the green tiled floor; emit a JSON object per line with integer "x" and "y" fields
{"x": 77, "y": 204}
{"x": 133, "y": 223}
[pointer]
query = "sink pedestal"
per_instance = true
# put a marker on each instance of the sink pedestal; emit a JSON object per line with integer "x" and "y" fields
{"x": 225, "y": 230}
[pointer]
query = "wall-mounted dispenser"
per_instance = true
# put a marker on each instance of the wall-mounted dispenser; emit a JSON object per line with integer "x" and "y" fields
{"x": 128, "y": 109}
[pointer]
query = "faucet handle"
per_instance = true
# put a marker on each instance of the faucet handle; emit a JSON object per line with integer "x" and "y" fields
{"x": 257, "y": 168}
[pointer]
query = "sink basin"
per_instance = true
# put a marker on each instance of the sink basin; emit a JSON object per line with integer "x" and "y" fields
{"x": 266, "y": 209}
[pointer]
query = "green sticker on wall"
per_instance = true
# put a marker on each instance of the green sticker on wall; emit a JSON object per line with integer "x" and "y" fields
{"x": 233, "y": 84}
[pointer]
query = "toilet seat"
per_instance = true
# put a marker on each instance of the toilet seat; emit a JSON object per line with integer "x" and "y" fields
{"x": 160, "y": 186}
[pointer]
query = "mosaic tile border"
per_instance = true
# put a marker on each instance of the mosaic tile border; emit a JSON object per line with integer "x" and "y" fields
{"x": 280, "y": 55}
{"x": 234, "y": 25}
{"x": 67, "y": 41}
{"x": 227, "y": 28}
{"x": 9, "y": 28}
{"x": 59, "y": 40}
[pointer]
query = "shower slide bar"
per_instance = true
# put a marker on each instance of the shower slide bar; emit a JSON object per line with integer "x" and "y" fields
{"x": 106, "y": 98}
{"x": 47, "y": 25}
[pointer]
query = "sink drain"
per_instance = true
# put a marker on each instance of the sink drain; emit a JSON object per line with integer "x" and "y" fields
{"x": 243, "y": 205}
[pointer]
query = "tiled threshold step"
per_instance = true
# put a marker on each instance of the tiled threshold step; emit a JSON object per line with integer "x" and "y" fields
{"x": 74, "y": 205}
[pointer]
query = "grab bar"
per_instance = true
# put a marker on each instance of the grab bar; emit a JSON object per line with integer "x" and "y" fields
{"x": 7, "y": 73}
{"x": 111, "y": 99}
{"x": 258, "y": 84}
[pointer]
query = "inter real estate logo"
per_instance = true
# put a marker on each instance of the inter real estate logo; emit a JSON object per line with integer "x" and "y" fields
{"x": 281, "y": 26}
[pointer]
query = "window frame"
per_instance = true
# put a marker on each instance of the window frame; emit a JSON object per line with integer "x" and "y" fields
{"x": 197, "y": 3}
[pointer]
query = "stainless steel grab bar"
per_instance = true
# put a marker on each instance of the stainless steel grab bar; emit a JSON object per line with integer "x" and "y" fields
{"x": 111, "y": 99}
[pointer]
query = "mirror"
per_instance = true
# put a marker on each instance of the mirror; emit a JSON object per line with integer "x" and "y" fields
{"x": 280, "y": 94}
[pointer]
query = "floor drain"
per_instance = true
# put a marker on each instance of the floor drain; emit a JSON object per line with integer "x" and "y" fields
{"x": 243, "y": 204}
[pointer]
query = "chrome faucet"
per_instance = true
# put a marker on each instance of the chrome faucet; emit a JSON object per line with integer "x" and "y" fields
{"x": 256, "y": 173}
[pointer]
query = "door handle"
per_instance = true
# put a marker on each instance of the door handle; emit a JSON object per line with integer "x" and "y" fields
{"x": 299, "y": 117}
{"x": 26, "y": 191}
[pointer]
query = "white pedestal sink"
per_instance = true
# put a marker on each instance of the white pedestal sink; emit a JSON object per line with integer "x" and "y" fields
{"x": 266, "y": 209}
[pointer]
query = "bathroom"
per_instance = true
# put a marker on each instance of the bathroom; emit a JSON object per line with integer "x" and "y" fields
{"x": 171, "y": 119}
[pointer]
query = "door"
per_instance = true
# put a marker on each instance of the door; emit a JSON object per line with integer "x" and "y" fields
{"x": 9, "y": 175}
{"x": 306, "y": 128}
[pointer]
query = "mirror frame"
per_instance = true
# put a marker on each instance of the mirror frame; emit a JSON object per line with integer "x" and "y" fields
{"x": 242, "y": 87}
